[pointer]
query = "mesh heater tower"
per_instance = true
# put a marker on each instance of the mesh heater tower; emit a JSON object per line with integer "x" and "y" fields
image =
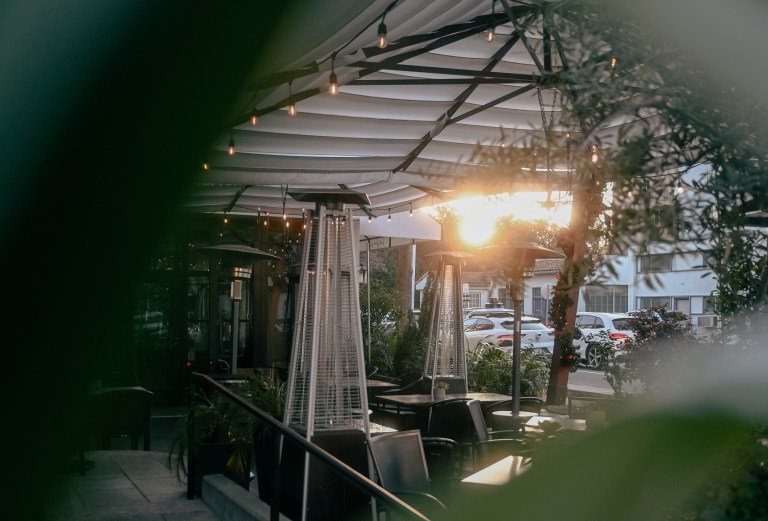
{"x": 326, "y": 392}
{"x": 446, "y": 358}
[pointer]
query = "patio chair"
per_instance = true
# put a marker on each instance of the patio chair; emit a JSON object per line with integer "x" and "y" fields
{"x": 492, "y": 445}
{"x": 401, "y": 468}
{"x": 443, "y": 457}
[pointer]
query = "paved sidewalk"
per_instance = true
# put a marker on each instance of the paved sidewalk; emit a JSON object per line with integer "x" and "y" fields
{"x": 123, "y": 485}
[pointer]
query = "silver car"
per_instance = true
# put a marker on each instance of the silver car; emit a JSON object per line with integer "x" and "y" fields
{"x": 500, "y": 331}
{"x": 593, "y": 329}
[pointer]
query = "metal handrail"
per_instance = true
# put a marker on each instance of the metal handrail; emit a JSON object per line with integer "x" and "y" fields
{"x": 350, "y": 475}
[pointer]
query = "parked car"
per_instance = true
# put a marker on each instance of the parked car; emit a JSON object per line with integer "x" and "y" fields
{"x": 492, "y": 313}
{"x": 592, "y": 329}
{"x": 500, "y": 331}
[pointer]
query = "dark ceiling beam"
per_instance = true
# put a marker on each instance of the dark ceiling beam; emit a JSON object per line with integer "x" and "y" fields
{"x": 295, "y": 98}
{"x": 236, "y": 198}
{"x": 377, "y": 66}
{"x": 434, "y": 193}
{"x": 522, "y": 78}
{"x": 460, "y": 100}
{"x": 474, "y": 26}
{"x": 493, "y": 103}
{"x": 362, "y": 207}
{"x": 520, "y": 30}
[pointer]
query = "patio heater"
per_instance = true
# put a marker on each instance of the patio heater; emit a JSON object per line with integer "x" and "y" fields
{"x": 326, "y": 397}
{"x": 517, "y": 260}
{"x": 446, "y": 358}
{"x": 240, "y": 258}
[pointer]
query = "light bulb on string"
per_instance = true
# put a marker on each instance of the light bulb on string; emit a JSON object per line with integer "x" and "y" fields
{"x": 489, "y": 34}
{"x": 254, "y": 118}
{"x": 333, "y": 87}
{"x": 389, "y": 216}
{"x": 206, "y": 166}
{"x": 231, "y": 148}
{"x": 291, "y": 102}
{"x": 383, "y": 41}
{"x": 410, "y": 212}
{"x": 594, "y": 155}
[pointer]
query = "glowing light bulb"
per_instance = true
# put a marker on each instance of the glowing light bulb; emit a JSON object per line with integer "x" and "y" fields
{"x": 292, "y": 109}
{"x": 489, "y": 35}
{"x": 383, "y": 41}
{"x": 333, "y": 88}
{"x": 231, "y": 149}
{"x": 254, "y": 119}
{"x": 613, "y": 62}
{"x": 206, "y": 166}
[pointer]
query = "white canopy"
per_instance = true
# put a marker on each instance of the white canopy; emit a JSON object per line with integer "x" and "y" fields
{"x": 407, "y": 119}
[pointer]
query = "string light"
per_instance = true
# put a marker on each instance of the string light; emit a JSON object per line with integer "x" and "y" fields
{"x": 226, "y": 221}
{"x": 383, "y": 41}
{"x": 254, "y": 118}
{"x": 594, "y": 157}
{"x": 370, "y": 219}
{"x": 206, "y": 166}
{"x": 489, "y": 34}
{"x": 613, "y": 62}
{"x": 291, "y": 103}
{"x": 389, "y": 216}
{"x": 231, "y": 149}
{"x": 410, "y": 213}
{"x": 333, "y": 88}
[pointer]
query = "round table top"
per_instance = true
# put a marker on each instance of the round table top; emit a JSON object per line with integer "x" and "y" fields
{"x": 521, "y": 414}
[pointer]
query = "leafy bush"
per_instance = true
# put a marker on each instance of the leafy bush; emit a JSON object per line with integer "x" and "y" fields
{"x": 490, "y": 369}
{"x": 664, "y": 342}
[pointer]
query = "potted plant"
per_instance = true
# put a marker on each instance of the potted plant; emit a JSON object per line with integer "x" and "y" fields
{"x": 440, "y": 389}
{"x": 220, "y": 436}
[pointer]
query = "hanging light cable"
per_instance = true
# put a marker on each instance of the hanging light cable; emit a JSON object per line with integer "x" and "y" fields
{"x": 490, "y": 32}
{"x": 291, "y": 102}
{"x": 333, "y": 87}
{"x": 383, "y": 41}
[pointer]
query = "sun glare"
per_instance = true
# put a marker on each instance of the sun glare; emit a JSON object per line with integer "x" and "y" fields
{"x": 478, "y": 215}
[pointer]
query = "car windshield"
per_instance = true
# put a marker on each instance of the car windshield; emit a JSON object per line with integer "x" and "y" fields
{"x": 625, "y": 323}
{"x": 525, "y": 326}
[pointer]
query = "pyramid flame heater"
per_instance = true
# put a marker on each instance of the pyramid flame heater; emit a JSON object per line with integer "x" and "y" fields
{"x": 446, "y": 358}
{"x": 326, "y": 395}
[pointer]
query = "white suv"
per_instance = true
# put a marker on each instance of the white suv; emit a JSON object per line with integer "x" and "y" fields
{"x": 595, "y": 328}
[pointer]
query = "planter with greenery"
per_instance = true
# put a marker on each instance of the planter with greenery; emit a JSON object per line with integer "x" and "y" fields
{"x": 221, "y": 435}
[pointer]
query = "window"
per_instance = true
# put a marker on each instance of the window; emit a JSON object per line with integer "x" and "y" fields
{"x": 654, "y": 263}
{"x": 540, "y": 304}
{"x": 654, "y": 302}
{"x": 483, "y": 324}
{"x": 711, "y": 305}
{"x": 606, "y": 299}
{"x": 589, "y": 322}
{"x": 474, "y": 299}
{"x": 505, "y": 298}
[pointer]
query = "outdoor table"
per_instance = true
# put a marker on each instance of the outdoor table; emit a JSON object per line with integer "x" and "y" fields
{"x": 566, "y": 423}
{"x": 499, "y": 473}
{"x": 505, "y": 420}
{"x": 426, "y": 400}
{"x": 379, "y": 385}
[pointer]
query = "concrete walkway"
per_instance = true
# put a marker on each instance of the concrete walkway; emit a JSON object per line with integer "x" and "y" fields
{"x": 123, "y": 485}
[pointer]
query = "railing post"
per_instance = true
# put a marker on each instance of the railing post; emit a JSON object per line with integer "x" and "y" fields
{"x": 277, "y": 448}
{"x": 191, "y": 463}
